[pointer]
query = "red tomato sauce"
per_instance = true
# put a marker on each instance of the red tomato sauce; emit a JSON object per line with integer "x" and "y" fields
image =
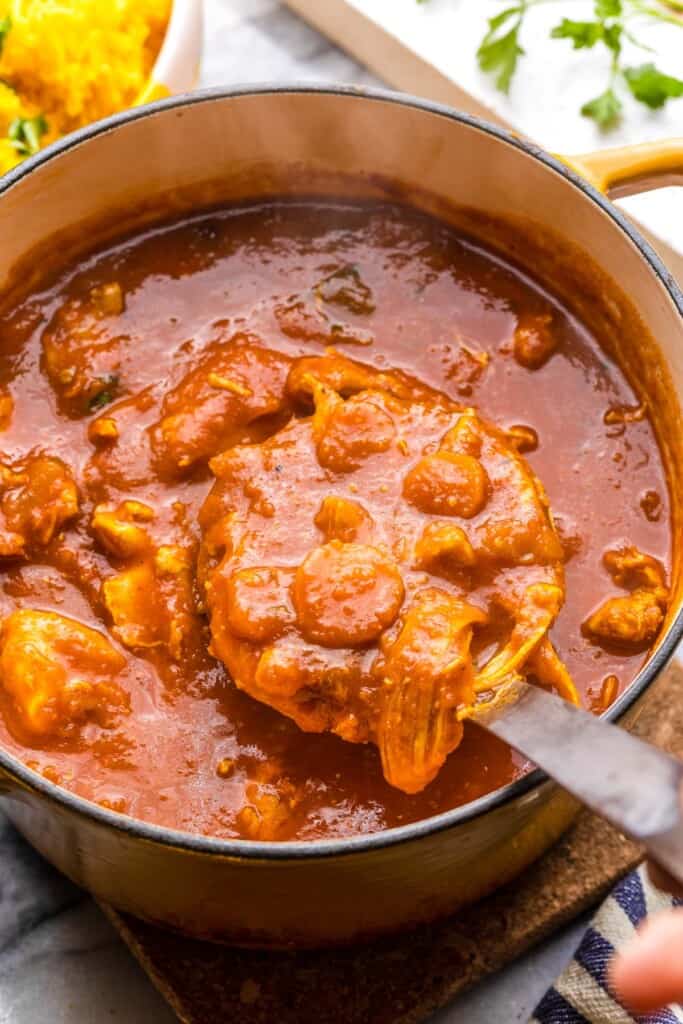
{"x": 117, "y": 339}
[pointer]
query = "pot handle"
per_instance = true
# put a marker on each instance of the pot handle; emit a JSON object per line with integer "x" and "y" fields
{"x": 627, "y": 170}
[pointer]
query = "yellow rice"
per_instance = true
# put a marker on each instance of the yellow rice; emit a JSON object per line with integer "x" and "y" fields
{"x": 74, "y": 61}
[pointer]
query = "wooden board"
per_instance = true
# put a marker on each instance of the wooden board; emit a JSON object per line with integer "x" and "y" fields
{"x": 403, "y": 979}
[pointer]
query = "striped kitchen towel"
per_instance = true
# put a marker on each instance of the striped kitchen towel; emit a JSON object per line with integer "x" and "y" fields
{"x": 580, "y": 995}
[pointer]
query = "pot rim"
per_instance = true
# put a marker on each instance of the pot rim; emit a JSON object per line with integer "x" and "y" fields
{"x": 305, "y": 849}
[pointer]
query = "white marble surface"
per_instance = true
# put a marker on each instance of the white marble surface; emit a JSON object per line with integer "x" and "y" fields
{"x": 60, "y": 961}
{"x": 552, "y": 84}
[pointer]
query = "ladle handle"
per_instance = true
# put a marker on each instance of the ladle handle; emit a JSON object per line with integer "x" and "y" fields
{"x": 630, "y": 783}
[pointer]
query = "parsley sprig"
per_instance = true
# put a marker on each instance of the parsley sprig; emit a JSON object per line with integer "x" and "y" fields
{"x": 499, "y": 51}
{"x": 5, "y": 26}
{"x": 105, "y": 391}
{"x": 646, "y": 83}
{"x": 613, "y": 21}
{"x": 25, "y": 134}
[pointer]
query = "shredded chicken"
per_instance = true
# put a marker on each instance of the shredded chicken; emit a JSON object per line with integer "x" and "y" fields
{"x": 428, "y": 675}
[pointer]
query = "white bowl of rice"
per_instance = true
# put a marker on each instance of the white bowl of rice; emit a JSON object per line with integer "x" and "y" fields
{"x": 66, "y": 63}
{"x": 176, "y": 69}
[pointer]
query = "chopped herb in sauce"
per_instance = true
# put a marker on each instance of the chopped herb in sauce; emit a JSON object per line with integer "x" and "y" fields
{"x": 107, "y": 394}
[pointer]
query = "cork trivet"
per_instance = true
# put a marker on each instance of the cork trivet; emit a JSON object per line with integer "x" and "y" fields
{"x": 405, "y": 978}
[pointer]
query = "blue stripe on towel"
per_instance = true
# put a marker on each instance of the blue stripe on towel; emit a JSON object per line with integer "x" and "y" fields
{"x": 554, "y": 1009}
{"x": 661, "y": 1017}
{"x": 594, "y": 955}
{"x": 630, "y": 896}
{"x": 633, "y": 896}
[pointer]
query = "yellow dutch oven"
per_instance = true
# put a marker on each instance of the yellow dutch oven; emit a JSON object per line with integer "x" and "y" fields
{"x": 551, "y": 218}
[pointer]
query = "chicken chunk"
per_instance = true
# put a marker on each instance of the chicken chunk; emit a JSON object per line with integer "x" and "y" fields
{"x": 258, "y": 603}
{"x": 369, "y": 633}
{"x": 443, "y": 547}
{"x": 534, "y": 340}
{"x": 58, "y": 673}
{"x": 232, "y": 386}
{"x": 270, "y": 803}
{"x": 152, "y": 601}
{"x": 447, "y": 483}
{"x": 119, "y": 530}
{"x": 346, "y": 595}
{"x": 348, "y": 432}
{"x": 82, "y": 349}
{"x": 123, "y": 457}
{"x": 342, "y": 519}
{"x": 632, "y": 569}
{"x": 633, "y": 620}
{"x": 343, "y": 376}
{"x": 37, "y": 497}
{"x": 516, "y": 527}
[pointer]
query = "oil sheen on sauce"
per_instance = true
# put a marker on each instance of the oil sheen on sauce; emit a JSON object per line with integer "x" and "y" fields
{"x": 194, "y": 753}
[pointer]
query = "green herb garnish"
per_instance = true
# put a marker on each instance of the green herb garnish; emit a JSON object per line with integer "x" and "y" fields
{"x": 5, "y": 26}
{"x": 651, "y": 87}
{"x": 499, "y": 51}
{"x": 25, "y": 134}
{"x": 605, "y": 109}
{"x": 584, "y": 34}
{"x": 107, "y": 393}
{"x": 613, "y": 21}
